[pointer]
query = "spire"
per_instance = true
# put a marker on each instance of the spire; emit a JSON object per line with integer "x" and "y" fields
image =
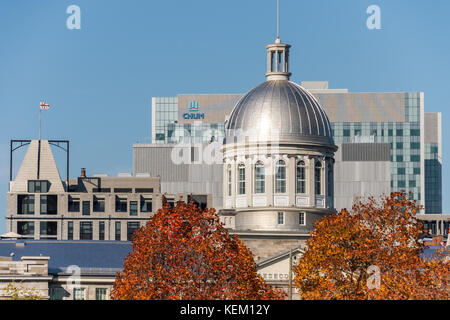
{"x": 278, "y": 56}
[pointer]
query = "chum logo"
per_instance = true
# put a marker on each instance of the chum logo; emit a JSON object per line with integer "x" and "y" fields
{"x": 193, "y": 111}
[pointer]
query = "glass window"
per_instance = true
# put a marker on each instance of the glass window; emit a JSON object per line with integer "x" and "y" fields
{"x": 301, "y": 177}
{"x": 86, "y": 208}
{"x": 101, "y": 230}
{"x": 57, "y": 293}
{"x": 48, "y": 228}
{"x": 259, "y": 177}
{"x": 98, "y": 204}
{"x": 74, "y": 204}
{"x": 330, "y": 179}
{"x": 78, "y": 294}
{"x": 70, "y": 230}
{"x": 301, "y": 218}
{"x": 280, "y": 217}
{"x": 133, "y": 208}
{"x": 121, "y": 204}
{"x": 117, "y": 230}
{"x": 146, "y": 204}
{"x": 25, "y": 228}
{"x": 131, "y": 228}
{"x": 241, "y": 178}
{"x": 85, "y": 230}
{"x": 280, "y": 177}
{"x": 101, "y": 294}
{"x": 25, "y": 204}
{"x": 318, "y": 177}
{"x": 38, "y": 186}
{"x": 49, "y": 204}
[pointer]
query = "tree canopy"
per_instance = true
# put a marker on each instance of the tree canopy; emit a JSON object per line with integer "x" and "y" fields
{"x": 185, "y": 253}
{"x": 372, "y": 252}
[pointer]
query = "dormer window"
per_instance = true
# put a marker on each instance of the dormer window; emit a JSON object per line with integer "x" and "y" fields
{"x": 38, "y": 186}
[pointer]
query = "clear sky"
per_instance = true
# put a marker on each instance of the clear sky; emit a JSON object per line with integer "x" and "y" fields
{"x": 99, "y": 80}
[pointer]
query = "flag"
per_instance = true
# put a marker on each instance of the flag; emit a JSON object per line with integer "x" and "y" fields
{"x": 44, "y": 105}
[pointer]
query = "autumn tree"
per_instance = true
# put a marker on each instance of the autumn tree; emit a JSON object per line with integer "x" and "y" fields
{"x": 372, "y": 252}
{"x": 185, "y": 253}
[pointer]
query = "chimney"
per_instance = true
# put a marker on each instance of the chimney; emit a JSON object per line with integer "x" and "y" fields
{"x": 83, "y": 173}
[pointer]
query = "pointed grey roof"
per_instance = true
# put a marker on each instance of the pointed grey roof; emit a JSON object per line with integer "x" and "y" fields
{"x": 39, "y": 158}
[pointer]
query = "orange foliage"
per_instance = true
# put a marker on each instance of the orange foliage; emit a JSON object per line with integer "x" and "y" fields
{"x": 185, "y": 253}
{"x": 343, "y": 246}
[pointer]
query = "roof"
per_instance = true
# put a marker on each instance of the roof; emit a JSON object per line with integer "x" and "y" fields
{"x": 90, "y": 256}
{"x": 282, "y": 108}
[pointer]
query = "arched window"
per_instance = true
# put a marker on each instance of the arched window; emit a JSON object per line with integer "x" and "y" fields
{"x": 241, "y": 179}
{"x": 330, "y": 178}
{"x": 280, "y": 177}
{"x": 229, "y": 180}
{"x": 259, "y": 177}
{"x": 318, "y": 177}
{"x": 301, "y": 177}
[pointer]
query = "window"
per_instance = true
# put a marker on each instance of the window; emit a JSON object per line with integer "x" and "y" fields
{"x": 86, "y": 208}
{"x": 144, "y": 190}
{"x": 25, "y": 228}
{"x": 301, "y": 177}
{"x": 85, "y": 230}
{"x": 259, "y": 177}
{"x": 74, "y": 204}
{"x": 415, "y": 145}
{"x": 38, "y": 186}
{"x": 25, "y": 204}
{"x": 229, "y": 180}
{"x": 241, "y": 179}
{"x": 318, "y": 177}
{"x": 101, "y": 230}
{"x": 330, "y": 179}
{"x": 48, "y": 229}
{"x": 117, "y": 231}
{"x": 98, "y": 204}
{"x": 133, "y": 208}
{"x": 49, "y": 204}
{"x": 280, "y": 177}
{"x": 280, "y": 217}
{"x": 121, "y": 204}
{"x": 100, "y": 294}
{"x": 146, "y": 204}
{"x": 301, "y": 218}
{"x": 70, "y": 230}
{"x": 101, "y": 190}
{"x": 57, "y": 293}
{"x": 78, "y": 294}
{"x": 131, "y": 228}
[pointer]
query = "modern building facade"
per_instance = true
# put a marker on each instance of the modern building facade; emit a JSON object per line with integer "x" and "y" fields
{"x": 40, "y": 205}
{"x": 395, "y": 118}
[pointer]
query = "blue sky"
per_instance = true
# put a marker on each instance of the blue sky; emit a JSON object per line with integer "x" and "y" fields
{"x": 99, "y": 80}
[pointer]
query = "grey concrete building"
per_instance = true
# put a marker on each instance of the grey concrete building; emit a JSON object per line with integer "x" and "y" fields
{"x": 40, "y": 205}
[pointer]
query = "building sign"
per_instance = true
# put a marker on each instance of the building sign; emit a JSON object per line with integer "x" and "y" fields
{"x": 193, "y": 111}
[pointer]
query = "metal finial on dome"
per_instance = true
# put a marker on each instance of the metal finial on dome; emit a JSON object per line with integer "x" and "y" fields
{"x": 278, "y": 56}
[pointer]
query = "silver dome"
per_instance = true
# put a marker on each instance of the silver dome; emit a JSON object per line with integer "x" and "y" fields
{"x": 282, "y": 106}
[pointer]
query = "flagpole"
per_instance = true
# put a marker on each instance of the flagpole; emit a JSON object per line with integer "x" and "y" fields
{"x": 40, "y": 111}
